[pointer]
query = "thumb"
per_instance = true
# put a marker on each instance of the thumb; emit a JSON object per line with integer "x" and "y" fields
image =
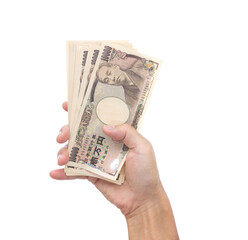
{"x": 126, "y": 134}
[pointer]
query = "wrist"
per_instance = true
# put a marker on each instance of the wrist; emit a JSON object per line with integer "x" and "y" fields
{"x": 153, "y": 219}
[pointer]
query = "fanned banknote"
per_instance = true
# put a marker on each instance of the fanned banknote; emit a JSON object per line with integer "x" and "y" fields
{"x": 81, "y": 58}
{"x": 116, "y": 92}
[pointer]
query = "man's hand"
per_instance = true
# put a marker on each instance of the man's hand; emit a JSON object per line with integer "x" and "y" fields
{"x": 142, "y": 190}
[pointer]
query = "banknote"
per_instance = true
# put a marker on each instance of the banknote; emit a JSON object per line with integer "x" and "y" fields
{"x": 117, "y": 93}
{"x": 74, "y": 171}
{"x": 80, "y": 63}
{"x": 78, "y": 53}
{"x": 93, "y": 54}
{"x": 78, "y": 172}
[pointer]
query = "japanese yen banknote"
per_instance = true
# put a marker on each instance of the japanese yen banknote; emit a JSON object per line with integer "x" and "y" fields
{"x": 109, "y": 83}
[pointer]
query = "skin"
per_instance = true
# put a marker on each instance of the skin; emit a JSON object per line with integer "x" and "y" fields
{"x": 141, "y": 198}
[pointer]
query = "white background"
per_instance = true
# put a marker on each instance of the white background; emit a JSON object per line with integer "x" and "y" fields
{"x": 196, "y": 119}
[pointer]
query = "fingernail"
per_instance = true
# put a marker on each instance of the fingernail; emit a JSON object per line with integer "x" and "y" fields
{"x": 59, "y": 156}
{"x": 109, "y": 128}
{"x": 60, "y": 132}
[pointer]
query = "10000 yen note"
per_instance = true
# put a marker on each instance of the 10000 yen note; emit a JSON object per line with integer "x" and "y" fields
{"x": 118, "y": 91}
{"x": 119, "y": 180}
{"x": 83, "y": 70}
{"x": 84, "y": 73}
{"x": 75, "y": 69}
{"x": 92, "y": 57}
{"x": 78, "y": 54}
{"x": 81, "y": 58}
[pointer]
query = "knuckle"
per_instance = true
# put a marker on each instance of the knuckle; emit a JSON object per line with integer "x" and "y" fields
{"x": 148, "y": 145}
{"x": 125, "y": 128}
{"x": 63, "y": 150}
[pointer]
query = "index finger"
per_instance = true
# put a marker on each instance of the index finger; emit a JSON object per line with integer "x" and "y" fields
{"x": 65, "y": 106}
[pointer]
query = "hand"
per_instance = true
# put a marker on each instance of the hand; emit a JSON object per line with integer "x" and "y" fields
{"x": 141, "y": 198}
{"x": 142, "y": 183}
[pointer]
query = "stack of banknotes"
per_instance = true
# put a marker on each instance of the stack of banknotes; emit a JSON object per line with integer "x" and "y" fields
{"x": 109, "y": 83}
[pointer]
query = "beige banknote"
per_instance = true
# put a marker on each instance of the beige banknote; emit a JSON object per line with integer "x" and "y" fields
{"x": 92, "y": 57}
{"x": 118, "y": 91}
{"x": 80, "y": 53}
{"x": 77, "y": 54}
{"x": 79, "y": 69}
{"x": 71, "y": 171}
{"x": 73, "y": 50}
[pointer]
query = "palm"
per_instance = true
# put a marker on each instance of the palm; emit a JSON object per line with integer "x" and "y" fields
{"x": 141, "y": 178}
